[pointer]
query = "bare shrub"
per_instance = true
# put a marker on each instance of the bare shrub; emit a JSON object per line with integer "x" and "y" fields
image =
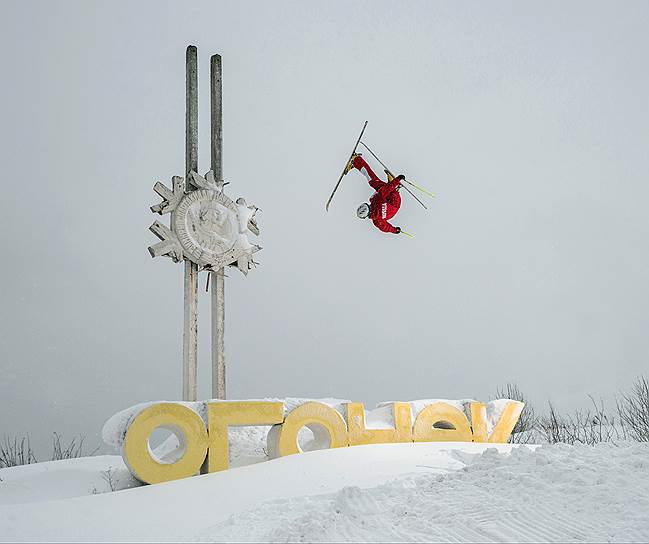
{"x": 70, "y": 451}
{"x": 117, "y": 480}
{"x": 633, "y": 411}
{"x": 597, "y": 424}
{"x": 109, "y": 477}
{"x": 524, "y": 431}
{"x": 581, "y": 427}
{"x": 18, "y": 451}
{"x": 15, "y": 452}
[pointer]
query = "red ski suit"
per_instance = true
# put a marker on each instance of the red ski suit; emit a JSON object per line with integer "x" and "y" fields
{"x": 385, "y": 203}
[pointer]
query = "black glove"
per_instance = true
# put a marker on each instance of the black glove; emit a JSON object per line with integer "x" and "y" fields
{"x": 398, "y": 230}
{"x": 400, "y": 177}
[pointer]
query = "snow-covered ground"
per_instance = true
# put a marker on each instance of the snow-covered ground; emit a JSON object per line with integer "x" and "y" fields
{"x": 553, "y": 494}
{"x": 388, "y": 492}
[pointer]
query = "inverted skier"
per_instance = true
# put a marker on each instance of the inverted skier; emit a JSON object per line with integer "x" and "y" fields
{"x": 385, "y": 202}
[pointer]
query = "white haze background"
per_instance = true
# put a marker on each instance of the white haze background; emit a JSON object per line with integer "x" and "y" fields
{"x": 529, "y": 120}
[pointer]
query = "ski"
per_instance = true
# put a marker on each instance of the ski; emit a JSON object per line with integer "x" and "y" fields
{"x": 343, "y": 174}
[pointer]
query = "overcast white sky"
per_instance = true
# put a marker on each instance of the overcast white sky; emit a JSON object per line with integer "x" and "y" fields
{"x": 528, "y": 119}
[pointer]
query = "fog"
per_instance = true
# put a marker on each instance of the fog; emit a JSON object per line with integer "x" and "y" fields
{"x": 528, "y": 120}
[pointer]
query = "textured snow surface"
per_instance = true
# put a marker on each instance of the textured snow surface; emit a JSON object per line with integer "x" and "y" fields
{"x": 54, "y": 480}
{"x": 444, "y": 492}
{"x": 551, "y": 494}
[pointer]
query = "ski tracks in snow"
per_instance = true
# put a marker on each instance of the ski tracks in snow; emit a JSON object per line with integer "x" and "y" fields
{"x": 555, "y": 493}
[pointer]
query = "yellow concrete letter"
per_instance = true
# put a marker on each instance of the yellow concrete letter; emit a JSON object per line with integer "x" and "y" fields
{"x": 452, "y": 424}
{"x": 360, "y": 435}
{"x": 323, "y": 420}
{"x": 220, "y": 415}
{"x": 506, "y": 423}
{"x": 479, "y": 421}
{"x": 186, "y": 424}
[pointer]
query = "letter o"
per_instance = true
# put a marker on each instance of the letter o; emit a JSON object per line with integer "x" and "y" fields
{"x": 320, "y": 418}
{"x": 437, "y": 413}
{"x": 186, "y": 424}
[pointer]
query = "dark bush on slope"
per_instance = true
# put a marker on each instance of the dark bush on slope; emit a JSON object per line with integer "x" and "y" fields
{"x": 15, "y": 451}
{"x": 18, "y": 451}
{"x": 633, "y": 411}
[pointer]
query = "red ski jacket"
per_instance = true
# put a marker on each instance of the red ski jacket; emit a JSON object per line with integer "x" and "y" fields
{"x": 384, "y": 204}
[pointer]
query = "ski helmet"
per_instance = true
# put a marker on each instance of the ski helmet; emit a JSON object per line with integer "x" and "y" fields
{"x": 363, "y": 211}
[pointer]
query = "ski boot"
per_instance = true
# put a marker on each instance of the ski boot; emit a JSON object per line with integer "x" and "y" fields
{"x": 350, "y": 164}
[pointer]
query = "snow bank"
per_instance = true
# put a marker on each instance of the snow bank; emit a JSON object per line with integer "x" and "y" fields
{"x": 55, "y": 480}
{"x": 443, "y": 492}
{"x": 179, "y": 510}
{"x": 555, "y": 493}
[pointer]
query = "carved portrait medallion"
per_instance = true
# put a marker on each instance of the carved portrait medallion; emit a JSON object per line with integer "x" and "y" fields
{"x": 206, "y": 224}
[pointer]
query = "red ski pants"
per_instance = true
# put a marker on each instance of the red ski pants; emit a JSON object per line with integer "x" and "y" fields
{"x": 364, "y": 168}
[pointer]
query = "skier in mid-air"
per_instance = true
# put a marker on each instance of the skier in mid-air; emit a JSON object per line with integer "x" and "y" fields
{"x": 385, "y": 202}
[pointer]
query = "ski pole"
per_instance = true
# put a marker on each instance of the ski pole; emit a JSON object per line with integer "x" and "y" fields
{"x": 407, "y": 233}
{"x": 415, "y": 197}
{"x": 425, "y": 191}
{"x": 374, "y": 155}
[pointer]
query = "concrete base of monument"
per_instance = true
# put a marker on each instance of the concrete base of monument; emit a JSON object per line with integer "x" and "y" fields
{"x": 384, "y": 492}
